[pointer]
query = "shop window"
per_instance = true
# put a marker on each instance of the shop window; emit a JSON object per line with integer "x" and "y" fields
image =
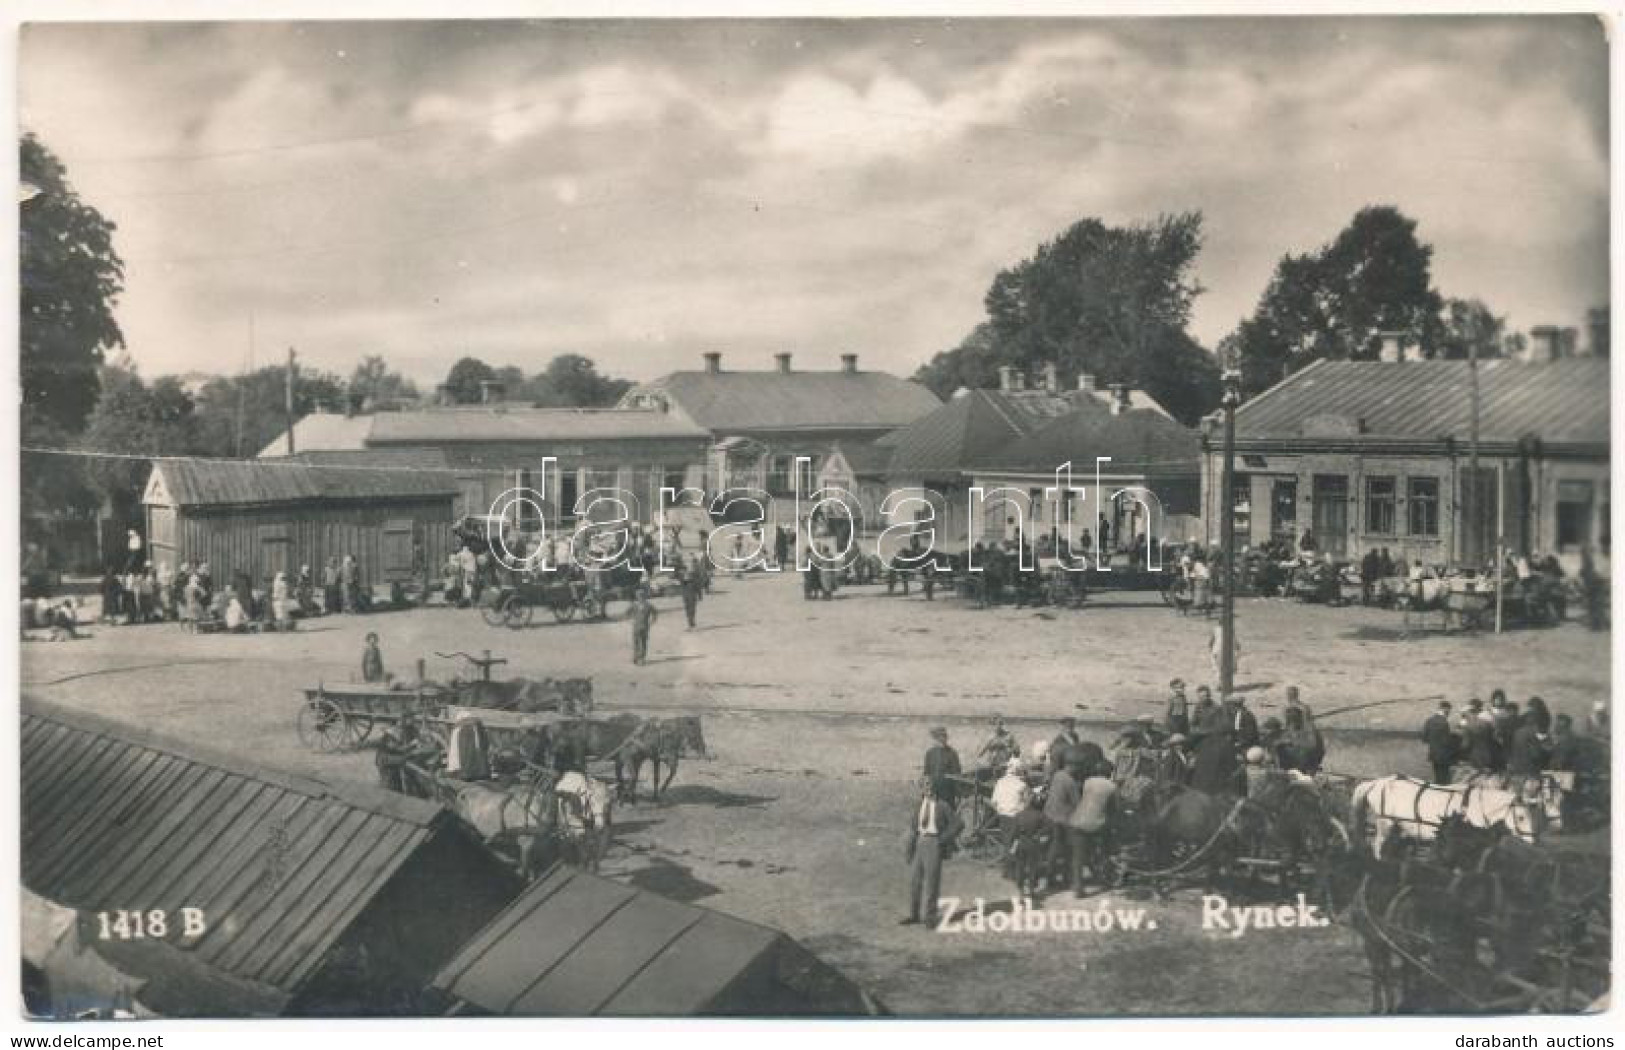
{"x": 1422, "y": 505}
{"x": 1381, "y": 499}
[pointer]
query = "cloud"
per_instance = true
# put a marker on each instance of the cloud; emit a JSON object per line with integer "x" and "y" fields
{"x": 644, "y": 189}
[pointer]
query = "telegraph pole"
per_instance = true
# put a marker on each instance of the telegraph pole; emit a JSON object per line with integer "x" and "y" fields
{"x": 291, "y": 374}
{"x": 1227, "y": 536}
{"x": 1470, "y": 509}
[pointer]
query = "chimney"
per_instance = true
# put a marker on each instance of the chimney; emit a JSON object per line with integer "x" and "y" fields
{"x": 1086, "y": 383}
{"x": 1392, "y": 349}
{"x": 849, "y": 364}
{"x": 1052, "y": 381}
{"x": 1120, "y": 398}
{"x": 1551, "y": 343}
{"x": 491, "y": 391}
{"x": 783, "y": 361}
{"x": 713, "y": 362}
{"x": 1004, "y": 376}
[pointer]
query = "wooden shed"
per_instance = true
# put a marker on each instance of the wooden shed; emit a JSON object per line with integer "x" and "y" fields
{"x": 264, "y": 517}
{"x": 306, "y": 898}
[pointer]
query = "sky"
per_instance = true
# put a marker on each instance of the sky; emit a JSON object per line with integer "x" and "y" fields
{"x": 642, "y": 192}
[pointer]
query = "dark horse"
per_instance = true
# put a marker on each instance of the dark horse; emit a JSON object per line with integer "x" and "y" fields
{"x": 628, "y": 741}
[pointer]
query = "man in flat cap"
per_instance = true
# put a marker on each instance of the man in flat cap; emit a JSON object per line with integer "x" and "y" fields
{"x": 941, "y": 765}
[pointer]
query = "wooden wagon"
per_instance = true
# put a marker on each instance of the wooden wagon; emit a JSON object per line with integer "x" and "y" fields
{"x": 339, "y": 717}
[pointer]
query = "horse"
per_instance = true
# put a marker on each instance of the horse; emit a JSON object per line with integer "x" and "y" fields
{"x": 584, "y": 817}
{"x": 1402, "y": 808}
{"x": 655, "y": 741}
{"x": 1203, "y": 824}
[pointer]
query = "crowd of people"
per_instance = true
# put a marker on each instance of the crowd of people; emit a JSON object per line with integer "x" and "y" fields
{"x": 1055, "y": 801}
{"x": 1501, "y": 739}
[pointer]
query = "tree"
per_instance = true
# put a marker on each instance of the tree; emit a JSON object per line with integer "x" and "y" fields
{"x": 1375, "y": 277}
{"x": 373, "y": 383}
{"x": 1468, "y": 325}
{"x": 573, "y": 381}
{"x": 240, "y": 415}
{"x": 1110, "y": 301}
{"x": 132, "y": 417}
{"x": 70, "y": 279}
{"x": 464, "y": 379}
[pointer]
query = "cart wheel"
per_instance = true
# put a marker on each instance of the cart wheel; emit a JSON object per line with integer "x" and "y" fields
{"x": 321, "y": 726}
{"x": 591, "y": 607}
{"x": 494, "y": 611}
{"x": 516, "y": 613}
{"x": 564, "y": 612}
{"x": 360, "y": 729}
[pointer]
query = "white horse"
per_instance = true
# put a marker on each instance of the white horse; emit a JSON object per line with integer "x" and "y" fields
{"x": 1413, "y": 809}
{"x": 586, "y": 814}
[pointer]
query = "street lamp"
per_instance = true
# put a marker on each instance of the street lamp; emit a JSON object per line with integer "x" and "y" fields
{"x": 1227, "y": 533}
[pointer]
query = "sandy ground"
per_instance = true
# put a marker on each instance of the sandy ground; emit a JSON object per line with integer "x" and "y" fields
{"x": 817, "y": 714}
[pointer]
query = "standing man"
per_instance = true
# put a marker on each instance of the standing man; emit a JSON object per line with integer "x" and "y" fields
{"x": 931, "y": 837}
{"x": 643, "y": 618}
{"x": 692, "y": 588}
{"x": 1178, "y": 719}
{"x": 1441, "y": 742}
{"x": 942, "y": 762}
{"x": 1370, "y": 567}
{"x": 1213, "y": 767}
{"x": 1061, "y": 799}
{"x": 1064, "y": 741}
{"x": 1243, "y": 725}
{"x": 1091, "y": 817}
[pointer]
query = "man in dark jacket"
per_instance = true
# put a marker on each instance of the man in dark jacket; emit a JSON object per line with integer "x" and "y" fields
{"x": 1213, "y": 769}
{"x": 1243, "y": 725}
{"x": 942, "y": 763}
{"x": 1529, "y": 750}
{"x": 1370, "y": 570}
{"x": 1441, "y": 743}
{"x": 931, "y": 836}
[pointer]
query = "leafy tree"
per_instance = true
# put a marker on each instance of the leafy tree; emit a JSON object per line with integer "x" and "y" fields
{"x": 974, "y": 363}
{"x": 374, "y": 383}
{"x": 133, "y": 417}
{"x": 240, "y": 415}
{"x": 573, "y": 381}
{"x": 70, "y": 279}
{"x": 1110, "y": 301}
{"x": 464, "y": 379}
{"x": 1468, "y": 325}
{"x": 1375, "y": 277}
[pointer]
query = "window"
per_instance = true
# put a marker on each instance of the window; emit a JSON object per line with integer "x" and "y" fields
{"x": 1035, "y": 505}
{"x": 569, "y": 491}
{"x": 809, "y": 482}
{"x": 1381, "y": 496}
{"x": 1423, "y": 506}
{"x": 1573, "y": 513}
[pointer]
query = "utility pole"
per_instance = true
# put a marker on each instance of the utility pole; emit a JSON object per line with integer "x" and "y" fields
{"x": 1473, "y": 550}
{"x": 291, "y": 376}
{"x": 1227, "y": 536}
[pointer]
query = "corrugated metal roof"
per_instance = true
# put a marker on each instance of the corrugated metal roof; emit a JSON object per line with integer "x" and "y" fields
{"x": 578, "y": 944}
{"x": 1141, "y": 439}
{"x": 232, "y": 482}
{"x": 115, "y": 817}
{"x": 322, "y": 432}
{"x": 962, "y": 434}
{"x": 727, "y": 402}
{"x": 1561, "y": 402}
{"x": 511, "y": 423}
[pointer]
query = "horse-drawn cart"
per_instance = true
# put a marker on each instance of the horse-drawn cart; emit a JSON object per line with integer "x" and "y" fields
{"x": 340, "y": 717}
{"x": 565, "y": 595}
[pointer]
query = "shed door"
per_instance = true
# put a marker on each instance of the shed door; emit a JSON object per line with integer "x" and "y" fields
{"x": 274, "y": 548}
{"x": 397, "y": 549}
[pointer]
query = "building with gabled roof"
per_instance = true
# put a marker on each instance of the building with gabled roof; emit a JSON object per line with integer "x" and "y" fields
{"x": 308, "y": 898}
{"x": 261, "y": 517}
{"x": 762, "y": 421}
{"x": 1376, "y": 454}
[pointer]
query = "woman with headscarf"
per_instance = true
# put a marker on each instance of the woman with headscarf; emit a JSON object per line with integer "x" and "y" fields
{"x": 192, "y": 609}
